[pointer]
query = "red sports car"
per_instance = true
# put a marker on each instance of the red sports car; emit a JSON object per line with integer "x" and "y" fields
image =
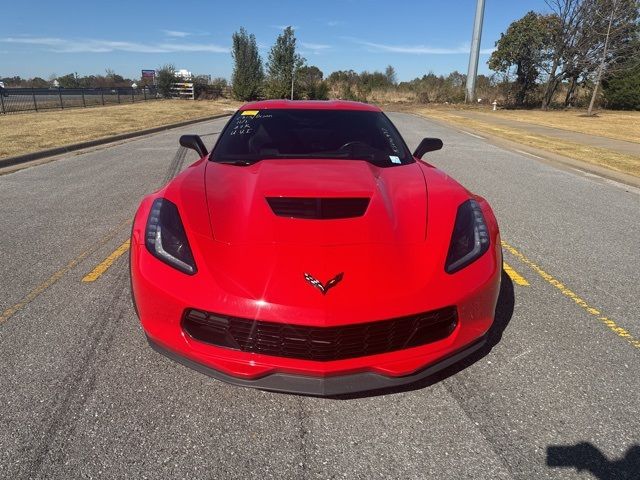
{"x": 311, "y": 252}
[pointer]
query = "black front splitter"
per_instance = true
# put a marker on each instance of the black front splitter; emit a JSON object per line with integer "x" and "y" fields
{"x": 322, "y": 386}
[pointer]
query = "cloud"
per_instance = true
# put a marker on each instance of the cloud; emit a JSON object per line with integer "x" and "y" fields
{"x": 176, "y": 33}
{"x": 334, "y": 23}
{"x": 63, "y": 45}
{"x": 282, "y": 27}
{"x": 315, "y": 48}
{"x": 418, "y": 49}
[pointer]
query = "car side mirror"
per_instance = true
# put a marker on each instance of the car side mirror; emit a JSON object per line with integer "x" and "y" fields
{"x": 194, "y": 142}
{"x": 427, "y": 145}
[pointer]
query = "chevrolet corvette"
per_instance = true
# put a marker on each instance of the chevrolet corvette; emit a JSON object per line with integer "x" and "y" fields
{"x": 311, "y": 252}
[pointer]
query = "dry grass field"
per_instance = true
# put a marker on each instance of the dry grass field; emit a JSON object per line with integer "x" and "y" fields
{"x": 30, "y": 132}
{"x": 608, "y": 124}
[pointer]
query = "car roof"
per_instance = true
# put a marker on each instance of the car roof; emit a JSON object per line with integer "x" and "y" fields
{"x": 309, "y": 105}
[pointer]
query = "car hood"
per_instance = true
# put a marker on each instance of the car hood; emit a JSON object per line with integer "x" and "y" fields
{"x": 391, "y": 258}
{"x": 240, "y": 212}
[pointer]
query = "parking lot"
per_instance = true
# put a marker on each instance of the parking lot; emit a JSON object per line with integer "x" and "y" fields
{"x": 555, "y": 394}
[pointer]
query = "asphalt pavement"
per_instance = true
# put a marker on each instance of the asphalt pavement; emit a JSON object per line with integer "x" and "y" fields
{"x": 555, "y": 395}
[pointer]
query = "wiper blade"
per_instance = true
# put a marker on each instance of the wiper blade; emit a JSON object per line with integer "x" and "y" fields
{"x": 236, "y": 162}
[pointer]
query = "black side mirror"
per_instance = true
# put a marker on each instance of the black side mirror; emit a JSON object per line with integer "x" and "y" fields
{"x": 194, "y": 142}
{"x": 427, "y": 145}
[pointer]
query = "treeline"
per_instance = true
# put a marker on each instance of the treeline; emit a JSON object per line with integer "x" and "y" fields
{"x": 286, "y": 74}
{"x": 582, "y": 53}
{"x": 73, "y": 80}
{"x": 576, "y": 47}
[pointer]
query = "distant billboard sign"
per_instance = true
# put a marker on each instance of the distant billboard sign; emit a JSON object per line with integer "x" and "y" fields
{"x": 148, "y": 73}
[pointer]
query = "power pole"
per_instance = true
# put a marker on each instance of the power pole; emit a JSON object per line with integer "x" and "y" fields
{"x": 293, "y": 76}
{"x": 470, "y": 93}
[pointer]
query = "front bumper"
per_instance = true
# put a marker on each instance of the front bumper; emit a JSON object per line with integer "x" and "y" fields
{"x": 163, "y": 294}
{"x": 322, "y": 386}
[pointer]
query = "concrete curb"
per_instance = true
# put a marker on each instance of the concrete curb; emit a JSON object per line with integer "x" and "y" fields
{"x": 28, "y": 157}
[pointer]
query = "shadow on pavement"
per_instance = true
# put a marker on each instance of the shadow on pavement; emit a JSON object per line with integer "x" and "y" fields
{"x": 504, "y": 312}
{"x": 586, "y": 457}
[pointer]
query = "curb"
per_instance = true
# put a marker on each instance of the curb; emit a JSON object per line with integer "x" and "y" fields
{"x": 28, "y": 157}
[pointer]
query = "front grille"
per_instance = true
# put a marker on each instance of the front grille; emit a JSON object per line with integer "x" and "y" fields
{"x": 318, "y": 208}
{"x": 320, "y": 343}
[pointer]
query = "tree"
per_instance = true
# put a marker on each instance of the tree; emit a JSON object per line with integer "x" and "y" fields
{"x": 38, "y": 82}
{"x": 70, "y": 80}
{"x": 247, "y": 74}
{"x": 566, "y": 28}
{"x": 618, "y": 41}
{"x": 390, "y": 73}
{"x": 165, "y": 78}
{"x": 311, "y": 84}
{"x": 622, "y": 91}
{"x": 282, "y": 65}
{"x": 523, "y": 48}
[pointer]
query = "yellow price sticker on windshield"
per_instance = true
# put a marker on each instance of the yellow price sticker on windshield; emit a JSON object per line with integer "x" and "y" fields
{"x": 250, "y": 113}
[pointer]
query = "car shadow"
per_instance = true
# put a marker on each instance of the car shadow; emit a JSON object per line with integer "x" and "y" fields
{"x": 503, "y": 314}
{"x": 586, "y": 457}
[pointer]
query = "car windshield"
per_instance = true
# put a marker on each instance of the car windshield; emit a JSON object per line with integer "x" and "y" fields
{"x": 254, "y": 135}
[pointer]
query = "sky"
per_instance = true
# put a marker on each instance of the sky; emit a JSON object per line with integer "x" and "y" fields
{"x": 43, "y": 38}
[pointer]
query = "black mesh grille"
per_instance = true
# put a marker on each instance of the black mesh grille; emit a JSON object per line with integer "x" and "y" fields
{"x": 320, "y": 343}
{"x": 318, "y": 208}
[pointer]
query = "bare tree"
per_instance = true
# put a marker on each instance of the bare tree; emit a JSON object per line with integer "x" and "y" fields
{"x": 614, "y": 44}
{"x": 566, "y": 26}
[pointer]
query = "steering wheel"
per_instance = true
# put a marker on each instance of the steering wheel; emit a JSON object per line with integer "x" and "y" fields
{"x": 353, "y": 144}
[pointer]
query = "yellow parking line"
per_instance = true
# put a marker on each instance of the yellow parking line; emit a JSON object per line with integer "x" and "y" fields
{"x": 33, "y": 294}
{"x": 102, "y": 267}
{"x": 609, "y": 323}
{"x": 515, "y": 276}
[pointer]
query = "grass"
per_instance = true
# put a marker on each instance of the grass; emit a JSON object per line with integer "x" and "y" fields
{"x": 618, "y": 125}
{"x": 29, "y": 132}
{"x": 610, "y": 124}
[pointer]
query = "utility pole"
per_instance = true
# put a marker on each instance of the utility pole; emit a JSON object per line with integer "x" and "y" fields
{"x": 293, "y": 76}
{"x": 470, "y": 93}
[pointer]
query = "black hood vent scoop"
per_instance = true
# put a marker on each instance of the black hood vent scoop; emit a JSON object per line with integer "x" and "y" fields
{"x": 318, "y": 208}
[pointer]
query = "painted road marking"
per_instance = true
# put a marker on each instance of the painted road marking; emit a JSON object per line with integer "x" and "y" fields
{"x": 515, "y": 276}
{"x": 609, "y": 323}
{"x": 33, "y": 294}
{"x": 527, "y": 153}
{"x": 473, "y": 135}
{"x": 103, "y": 266}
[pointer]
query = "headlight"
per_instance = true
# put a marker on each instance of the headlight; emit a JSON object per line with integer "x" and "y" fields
{"x": 470, "y": 237}
{"x": 165, "y": 237}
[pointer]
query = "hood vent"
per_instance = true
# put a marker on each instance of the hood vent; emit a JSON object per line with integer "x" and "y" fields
{"x": 318, "y": 208}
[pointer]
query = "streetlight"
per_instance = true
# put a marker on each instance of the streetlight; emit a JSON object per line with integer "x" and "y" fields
{"x": 475, "y": 53}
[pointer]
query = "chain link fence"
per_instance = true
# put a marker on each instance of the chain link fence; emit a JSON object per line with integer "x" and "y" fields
{"x": 13, "y": 100}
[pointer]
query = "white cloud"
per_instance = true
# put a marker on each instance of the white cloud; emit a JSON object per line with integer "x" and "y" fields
{"x": 418, "y": 49}
{"x": 176, "y": 33}
{"x": 313, "y": 48}
{"x": 282, "y": 27}
{"x": 334, "y": 23}
{"x": 63, "y": 45}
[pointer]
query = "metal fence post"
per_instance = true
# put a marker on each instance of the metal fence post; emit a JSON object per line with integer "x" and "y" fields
{"x": 144, "y": 91}
{"x": 84, "y": 103}
{"x": 102, "y": 95}
{"x": 2, "y": 101}
{"x": 60, "y": 97}
{"x": 118, "y": 92}
{"x": 133, "y": 92}
{"x": 33, "y": 94}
